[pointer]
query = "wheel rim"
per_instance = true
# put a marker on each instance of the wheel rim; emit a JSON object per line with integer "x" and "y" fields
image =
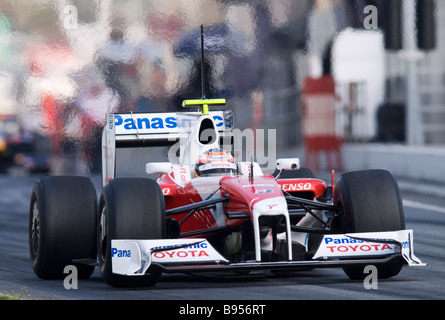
{"x": 35, "y": 229}
{"x": 103, "y": 234}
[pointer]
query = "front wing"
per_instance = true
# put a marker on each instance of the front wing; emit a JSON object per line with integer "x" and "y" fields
{"x": 135, "y": 257}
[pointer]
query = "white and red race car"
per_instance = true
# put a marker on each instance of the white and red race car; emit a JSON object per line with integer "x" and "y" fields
{"x": 208, "y": 213}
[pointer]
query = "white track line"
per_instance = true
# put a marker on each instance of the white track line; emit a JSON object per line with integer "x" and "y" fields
{"x": 423, "y": 206}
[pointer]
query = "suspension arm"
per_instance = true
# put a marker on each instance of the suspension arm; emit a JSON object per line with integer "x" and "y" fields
{"x": 304, "y": 203}
{"x": 196, "y": 206}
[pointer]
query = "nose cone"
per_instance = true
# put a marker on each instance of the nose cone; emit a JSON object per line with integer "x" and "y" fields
{"x": 270, "y": 207}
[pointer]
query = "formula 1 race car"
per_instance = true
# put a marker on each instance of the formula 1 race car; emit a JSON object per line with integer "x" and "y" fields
{"x": 206, "y": 212}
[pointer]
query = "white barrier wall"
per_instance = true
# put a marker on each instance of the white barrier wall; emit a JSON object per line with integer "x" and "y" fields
{"x": 419, "y": 163}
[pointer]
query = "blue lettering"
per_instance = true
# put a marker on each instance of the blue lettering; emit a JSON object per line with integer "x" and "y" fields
{"x": 197, "y": 246}
{"x": 129, "y": 124}
{"x": 140, "y": 121}
{"x": 219, "y": 121}
{"x": 157, "y": 123}
{"x": 120, "y": 253}
{"x": 229, "y": 121}
{"x": 117, "y": 120}
{"x": 170, "y": 122}
{"x": 146, "y": 123}
{"x": 341, "y": 240}
{"x": 202, "y": 245}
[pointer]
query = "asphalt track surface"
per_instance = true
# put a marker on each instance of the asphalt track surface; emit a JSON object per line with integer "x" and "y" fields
{"x": 424, "y": 213}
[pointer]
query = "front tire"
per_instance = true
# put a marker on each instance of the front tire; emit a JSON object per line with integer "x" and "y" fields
{"x": 370, "y": 201}
{"x": 129, "y": 208}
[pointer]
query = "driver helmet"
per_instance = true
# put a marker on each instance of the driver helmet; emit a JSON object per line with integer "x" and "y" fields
{"x": 215, "y": 162}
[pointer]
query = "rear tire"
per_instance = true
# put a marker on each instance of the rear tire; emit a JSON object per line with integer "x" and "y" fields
{"x": 370, "y": 201}
{"x": 62, "y": 225}
{"x": 129, "y": 208}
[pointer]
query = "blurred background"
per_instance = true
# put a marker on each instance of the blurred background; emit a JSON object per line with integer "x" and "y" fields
{"x": 323, "y": 73}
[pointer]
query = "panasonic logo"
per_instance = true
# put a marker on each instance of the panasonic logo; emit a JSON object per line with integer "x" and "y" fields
{"x": 183, "y": 246}
{"x": 120, "y": 253}
{"x": 329, "y": 240}
{"x": 146, "y": 123}
{"x": 156, "y": 122}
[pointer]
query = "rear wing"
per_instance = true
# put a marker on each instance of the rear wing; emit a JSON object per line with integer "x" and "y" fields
{"x": 136, "y": 130}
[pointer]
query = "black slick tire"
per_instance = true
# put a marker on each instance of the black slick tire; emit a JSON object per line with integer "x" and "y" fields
{"x": 370, "y": 201}
{"x": 129, "y": 208}
{"x": 62, "y": 225}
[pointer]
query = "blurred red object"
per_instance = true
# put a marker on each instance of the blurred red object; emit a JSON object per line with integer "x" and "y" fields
{"x": 319, "y": 131}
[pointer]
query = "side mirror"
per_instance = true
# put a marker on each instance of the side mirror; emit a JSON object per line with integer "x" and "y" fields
{"x": 288, "y": 164}
{"x": 158, "y": 168}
